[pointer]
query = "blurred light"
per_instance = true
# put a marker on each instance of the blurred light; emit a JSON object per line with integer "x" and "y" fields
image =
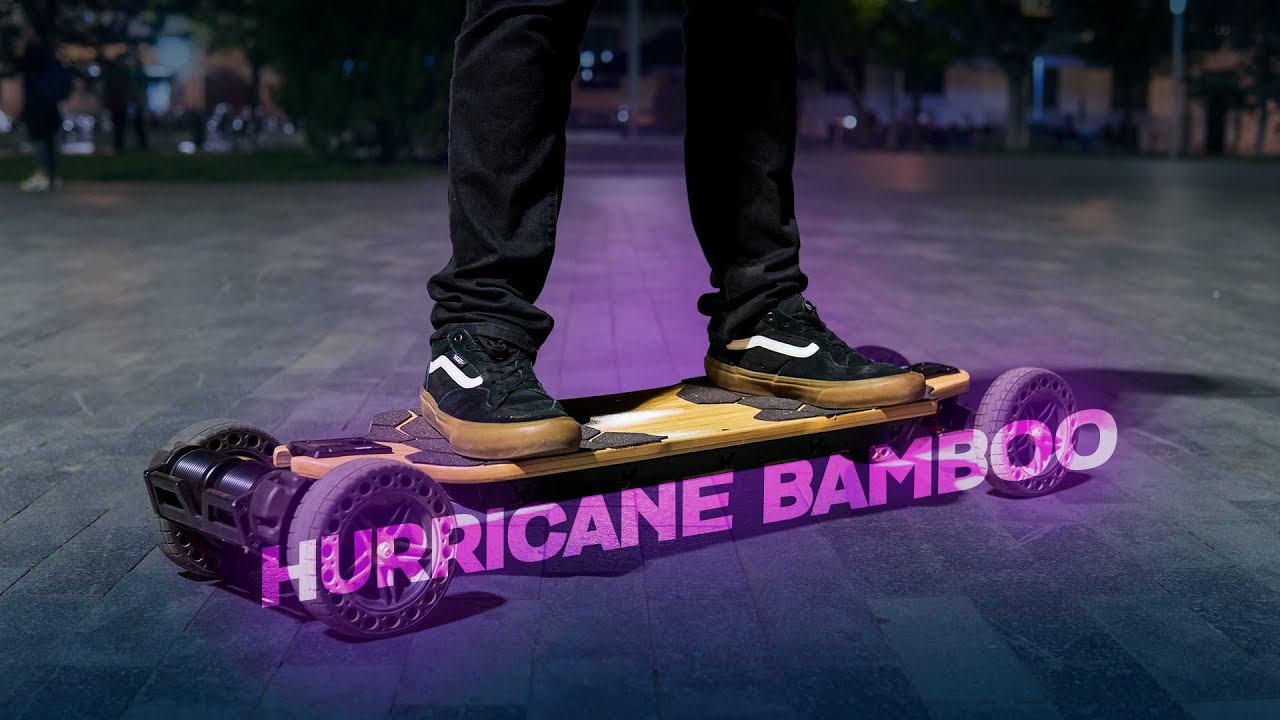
{"x": 159, "y": 96}
{"x": 623, "y": 115}
{"x": 237, "y": 124}
{"x": 587, "y": 59}
{"x": 849, "y": 122}
{"x": 606, "y": 56}
{"x": 289, "y": 128}
{"x": 186, "y": 147}
{"x": 174, "y": 52}
{"x": 1177, "y": 7}
{"x": 5, "y": 124}
{"x": 94, "y": 71}
{"x": 429, "y": 61}
{"x": 587, "y": 75}
{"x": 88, "y": 16}
{"x": 68, "y": 125}
{"x": 348, "y": 65}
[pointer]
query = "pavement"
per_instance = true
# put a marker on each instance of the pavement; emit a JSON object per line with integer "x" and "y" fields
{"x": 1148, "y": 587}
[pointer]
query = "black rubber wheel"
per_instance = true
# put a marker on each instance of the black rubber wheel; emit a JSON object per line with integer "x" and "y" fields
{"x": 189, "y": 550}
{"x": 365, "y": 495}
{"x": 876, "y": 353}
{"x": 1024, "y": 394}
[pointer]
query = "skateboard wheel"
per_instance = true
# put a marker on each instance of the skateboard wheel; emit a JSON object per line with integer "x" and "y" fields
{"x": 360, "y": 497}
{"x": 188, "y": 549}
{"x": 1024, "y": 394}
{"x": 876, "y": 353}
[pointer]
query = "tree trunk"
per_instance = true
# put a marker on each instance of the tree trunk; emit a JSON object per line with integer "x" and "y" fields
{"x": 917, "y": 109}
{"x": 1016, "y": 133}
{"x": 1237, "y": 128}
{"x": 820, "y": 77}
{"x": 1128, "y": 96}
{"x": 1264, "y": 119}
{"x": 851, "y": 78}
{"x": 255, "y": 93}
{"x": 893, "y": 139}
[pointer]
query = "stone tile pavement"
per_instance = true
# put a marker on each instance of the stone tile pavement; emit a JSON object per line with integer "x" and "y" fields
{"x": 1148, "y": 588}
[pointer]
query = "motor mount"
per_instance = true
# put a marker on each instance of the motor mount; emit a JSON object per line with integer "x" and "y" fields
{"x": 238, "y": 500}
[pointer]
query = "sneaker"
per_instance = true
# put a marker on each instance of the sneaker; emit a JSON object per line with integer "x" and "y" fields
{"x": 792, "y": 354}
{"x": 482, "y": 395}
{"x": 36, "y": 183}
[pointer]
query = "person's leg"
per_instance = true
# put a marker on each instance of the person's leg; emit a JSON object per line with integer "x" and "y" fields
{"x": 740, "y": 78}
{"x": 513, "y": 67}
{"x": 51, "y": 162}
{"x": 119, "y": 118}
{"x": 765, "y": 338}
{"x": 42, "y": 152}
{"x": 140, "y": 126}
{"x": 43, "y": 159}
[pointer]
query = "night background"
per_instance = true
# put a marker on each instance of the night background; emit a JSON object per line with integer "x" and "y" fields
{"x": 251, "y": 196}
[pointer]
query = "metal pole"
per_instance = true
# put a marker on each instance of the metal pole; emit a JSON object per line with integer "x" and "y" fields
{"x": 633, "y": 66}
{"x": 1179, "y": 10}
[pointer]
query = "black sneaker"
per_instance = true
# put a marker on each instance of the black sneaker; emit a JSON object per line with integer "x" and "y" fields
{"x": 482, "y": 395}
{"x": 792, "y": 354}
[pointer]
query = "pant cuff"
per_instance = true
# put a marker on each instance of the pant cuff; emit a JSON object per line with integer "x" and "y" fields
{"x": 517, "y": 337}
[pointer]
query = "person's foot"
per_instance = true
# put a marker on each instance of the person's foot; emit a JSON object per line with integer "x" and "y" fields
{"x": 482, "y": 395}
{"x": 36, "y": 183}
{"x": 791, "y": 353}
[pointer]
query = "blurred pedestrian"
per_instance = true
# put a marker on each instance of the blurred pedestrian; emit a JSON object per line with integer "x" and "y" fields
{"x": 45, "y": 83}
{"x": 124, "y": 94}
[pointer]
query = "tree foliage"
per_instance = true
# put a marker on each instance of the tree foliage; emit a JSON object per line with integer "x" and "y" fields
{"x": 1131, "y": 38}
{"x": 357, "y": 73}
{"x": 840, "y": 35}
{"x": 1251, "y": 28}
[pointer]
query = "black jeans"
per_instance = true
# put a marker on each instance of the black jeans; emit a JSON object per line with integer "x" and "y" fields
{"x": 514, "y": 64}
{"x": 45, "y": 149}
{"x": 121, "y": 119}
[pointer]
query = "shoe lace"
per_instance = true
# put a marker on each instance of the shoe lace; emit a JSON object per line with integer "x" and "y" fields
{"x": 511, "y": 368}
{"x": 808, "y": 319}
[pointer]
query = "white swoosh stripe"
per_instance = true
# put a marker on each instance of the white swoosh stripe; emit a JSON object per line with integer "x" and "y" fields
{"x": 454, "y": 373}
{"x": 782, "y": 348}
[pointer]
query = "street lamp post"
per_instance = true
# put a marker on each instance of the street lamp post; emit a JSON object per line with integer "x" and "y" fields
{"x": 633, "y": 66}
{"x": 1179, "y": 10}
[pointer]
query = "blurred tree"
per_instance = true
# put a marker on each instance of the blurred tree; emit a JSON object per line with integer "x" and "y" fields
{"x": 10, "y": 32}
{"x": 13, "y": 15}
{"x": 374, "y": 72}
{"x": 97, "y": 24}
{"x": 839, "y": 35}
{"x": 1131, "y": 38}
{"x": 918, "y": 49}
{"x": 1010, "y": 32}
{"x": 1251, "y": 29}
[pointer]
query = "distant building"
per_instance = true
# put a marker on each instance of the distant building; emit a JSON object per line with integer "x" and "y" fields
{"x": 1067, "y": 92}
